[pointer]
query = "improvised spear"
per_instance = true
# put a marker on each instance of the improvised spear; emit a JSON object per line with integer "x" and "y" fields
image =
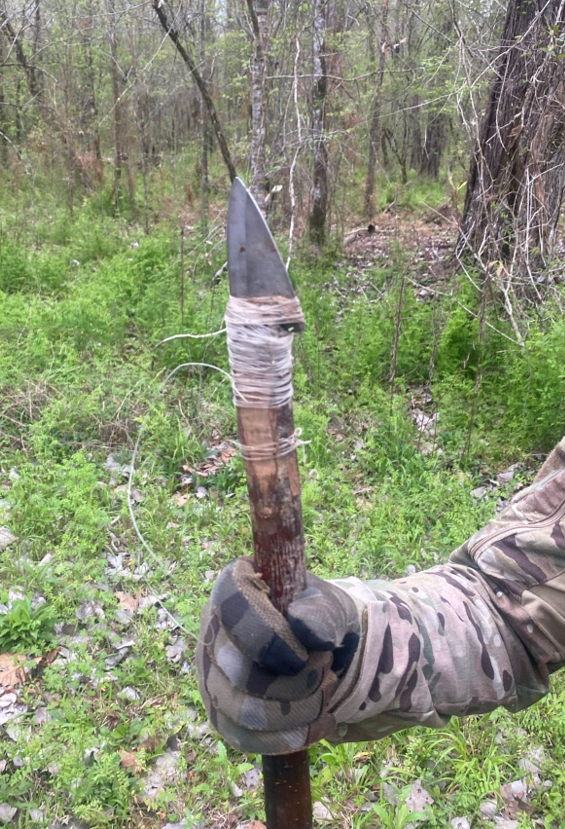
{"x": 262, "y": 314}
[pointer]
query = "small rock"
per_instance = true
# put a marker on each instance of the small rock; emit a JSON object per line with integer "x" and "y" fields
{"x": 197, "y": 731}
{"x": 7, "y": 812}
{"x": 41, "y": 715}
{"x": 114, "y": 659}
{"x": 6, "y": 538}
{"x": 418, "y": 798}
{"x": 504, "y": 477}
{"x": 123, "y": 617}
{"x": 90, "y": 609}
{"x": 235, "y": 790}
{"x": 518, "y": 789}
{"x": 479, "y": 492}
{"x": 129, "y": 693}
{"x": 488, "y": 809}
{"x": 36, "y": 815}
{"x": 460, "y": 823}
{"x": 390, "y": 793}
{"x": 251, "y": 779}
{"x": 501, "y": 823}
{"x": 321, "y": 812}
{"x": 175, "y": 651}
{"x": 146, "y": 602}
{"x": 182, "y": 825}
{"x": 528, "y": 766}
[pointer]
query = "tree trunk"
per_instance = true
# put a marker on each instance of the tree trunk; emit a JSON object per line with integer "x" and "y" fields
{"x": 89, "y": 118}
{"x": 259, "y": 19}
{"x": 434, "y": 144}
{"x": 117, "y": 109}
{"x": 517, "y": 172}
{"x": 319, "y": 195}
{"x": 204, "y": 131}
{"x": 4, "y": 157}
{"x": 376, "y": 119}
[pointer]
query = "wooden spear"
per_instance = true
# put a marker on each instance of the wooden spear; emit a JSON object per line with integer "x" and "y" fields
{"x": 256, "y": 270}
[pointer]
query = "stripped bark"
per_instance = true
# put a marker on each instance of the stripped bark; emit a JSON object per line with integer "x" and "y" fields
{"x": 320, "y": 188}
{"x": 517, "y": 173}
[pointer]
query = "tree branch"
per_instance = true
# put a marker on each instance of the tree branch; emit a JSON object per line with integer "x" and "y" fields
{"x": 193, "y": 69}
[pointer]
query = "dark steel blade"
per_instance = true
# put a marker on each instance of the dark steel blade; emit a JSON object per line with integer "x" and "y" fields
{"x": 255, "y": 265}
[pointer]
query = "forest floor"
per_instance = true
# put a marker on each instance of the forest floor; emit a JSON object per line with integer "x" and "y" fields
{"x": 121, "y": 499}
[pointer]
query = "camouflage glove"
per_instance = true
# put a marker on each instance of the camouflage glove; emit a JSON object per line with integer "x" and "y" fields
{"x": 484, "y": 630}
{"x": 267, "y": 680}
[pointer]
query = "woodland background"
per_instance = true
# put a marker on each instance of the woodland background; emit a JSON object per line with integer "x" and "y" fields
{"x": 409, "y": 156}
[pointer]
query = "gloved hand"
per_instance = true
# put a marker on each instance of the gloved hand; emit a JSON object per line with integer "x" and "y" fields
{"x": 359, "y": 660}
{"x": 267, "y": 680}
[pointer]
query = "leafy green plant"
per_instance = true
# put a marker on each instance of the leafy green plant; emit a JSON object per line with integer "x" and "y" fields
{"x": 25, "y": 629}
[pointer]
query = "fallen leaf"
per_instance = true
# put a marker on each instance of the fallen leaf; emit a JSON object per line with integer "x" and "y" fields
{"x": 127, "y": 601}
{"x": 179, "y": 499}
{"x": 251, "y": 824}
{"x": 515, "y": 799}
{"x": 47, "y": 659}
{"x": 129, "y": 761}
{"x": 12, "y": 671}
{"x": 151, "y": 744}
{"x": 321, "y": 812}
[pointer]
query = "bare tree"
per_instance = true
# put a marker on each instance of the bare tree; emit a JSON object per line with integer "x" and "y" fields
{"x": 376, "y": 117}
{"x": 259, "y": 13}
{"x": 319, "y": 194}
{"x": 517, "y": 173}
{"x": 171, "y": 31}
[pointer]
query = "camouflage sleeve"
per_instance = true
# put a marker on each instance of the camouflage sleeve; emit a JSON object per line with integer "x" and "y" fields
{"x": 484, "y": 630}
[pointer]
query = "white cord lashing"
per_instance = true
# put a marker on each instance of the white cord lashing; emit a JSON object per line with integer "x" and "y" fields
{"x": 266, "y": 451}
{"x": 260, "y": 350}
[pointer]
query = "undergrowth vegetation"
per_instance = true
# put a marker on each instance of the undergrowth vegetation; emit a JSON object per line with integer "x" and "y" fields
{"x": 411, "y": 406}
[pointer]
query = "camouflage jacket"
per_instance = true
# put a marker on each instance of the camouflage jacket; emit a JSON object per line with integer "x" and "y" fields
{"x": 484, "y": 630}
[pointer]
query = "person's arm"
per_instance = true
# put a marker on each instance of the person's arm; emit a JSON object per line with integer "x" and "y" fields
{"x": 359, "y": 660}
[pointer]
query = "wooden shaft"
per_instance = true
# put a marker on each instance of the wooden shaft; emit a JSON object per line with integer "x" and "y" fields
{"x": 278, "y": 541}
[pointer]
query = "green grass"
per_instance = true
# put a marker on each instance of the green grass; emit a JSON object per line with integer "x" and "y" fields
{"x": 81, "y": 312}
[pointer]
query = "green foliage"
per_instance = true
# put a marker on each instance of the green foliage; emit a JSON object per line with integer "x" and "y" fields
{"x": 379, "y": 495}
{"x": 25, "y": 629}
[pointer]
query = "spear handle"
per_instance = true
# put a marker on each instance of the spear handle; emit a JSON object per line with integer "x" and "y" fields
{"x": 278, "y": 541}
